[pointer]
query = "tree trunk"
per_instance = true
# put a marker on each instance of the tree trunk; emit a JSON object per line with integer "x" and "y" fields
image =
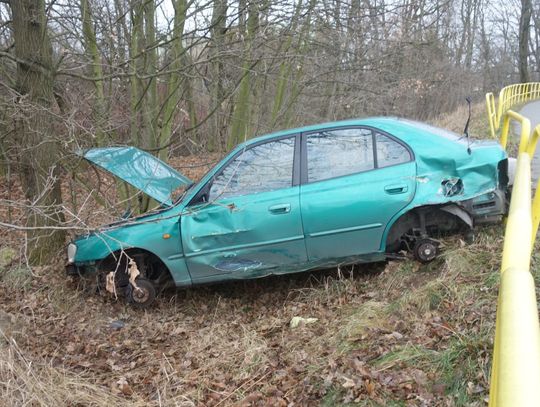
{"x": 92, "y": 53}
{"x": 136, "y": 36}
{"x": 524, "y": 28}
{"x": 285, "y": 68}
{"x": 149, "y": 101}
{"x": 217, "y": 30}
{"x": 240, "y": 123}
{"x": 38, "y": 150}
{"x": 178, "y": 80}
{"x": 134, "y": 70}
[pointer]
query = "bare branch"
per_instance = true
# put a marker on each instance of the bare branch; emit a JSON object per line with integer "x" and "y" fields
{"x": 21, "y": 61}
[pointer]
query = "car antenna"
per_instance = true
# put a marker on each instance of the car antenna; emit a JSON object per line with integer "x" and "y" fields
{"x": 466, "y": 129}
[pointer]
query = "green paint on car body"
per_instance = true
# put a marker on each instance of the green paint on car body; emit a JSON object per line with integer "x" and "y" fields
{"x": 340, "y": 220}
{"x": 141, "y": 170}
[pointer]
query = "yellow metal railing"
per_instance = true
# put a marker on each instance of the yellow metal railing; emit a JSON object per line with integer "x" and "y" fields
{"x": 515, "y": 375}
{"x": 509, "y": 97}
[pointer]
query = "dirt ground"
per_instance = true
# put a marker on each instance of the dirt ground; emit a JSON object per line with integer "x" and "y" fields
{"x": 385, "y": 334}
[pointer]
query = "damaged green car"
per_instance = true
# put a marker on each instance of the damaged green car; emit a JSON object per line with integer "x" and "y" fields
{"x": 314, "y": 197}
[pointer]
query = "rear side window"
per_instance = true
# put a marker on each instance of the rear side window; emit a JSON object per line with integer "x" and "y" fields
{"x": 263, "y": 168}
{"x": 335, "y": 153}
{"x": 390, "y": 152}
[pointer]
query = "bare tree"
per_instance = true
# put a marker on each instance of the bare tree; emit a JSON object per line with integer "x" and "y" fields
{"x": 35, "y": 108}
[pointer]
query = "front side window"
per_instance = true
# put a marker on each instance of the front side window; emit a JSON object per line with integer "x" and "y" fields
{"x": 263, "y": 168}
{"x": 335, "y": 153}
{"x": 390, "y": 152}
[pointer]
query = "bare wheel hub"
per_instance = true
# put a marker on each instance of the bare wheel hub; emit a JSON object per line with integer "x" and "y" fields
{"x": 140, "y": 295}
{"x": 425, "y": 250}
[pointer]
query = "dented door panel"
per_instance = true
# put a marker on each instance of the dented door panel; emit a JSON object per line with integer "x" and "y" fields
{"x": 245, "y": 236}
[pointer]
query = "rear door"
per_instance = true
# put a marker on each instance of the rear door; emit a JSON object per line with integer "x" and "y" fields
{"x": 246, "y": 222}
{"x": 354, "y": 180}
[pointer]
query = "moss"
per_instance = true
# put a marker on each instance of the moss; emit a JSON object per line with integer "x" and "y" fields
{"x": 7, "y": 255}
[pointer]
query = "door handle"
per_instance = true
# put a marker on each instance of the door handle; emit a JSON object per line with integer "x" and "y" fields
{"x": 396, "y": 189}
{"x": 280, "y": 208}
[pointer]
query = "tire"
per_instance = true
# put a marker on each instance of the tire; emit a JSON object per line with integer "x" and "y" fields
{"x": 142, "y": 297}
{"x": 425, "y": 250}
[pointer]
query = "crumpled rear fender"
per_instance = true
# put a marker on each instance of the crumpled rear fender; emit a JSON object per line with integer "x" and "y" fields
{"x": 455, "y": 185}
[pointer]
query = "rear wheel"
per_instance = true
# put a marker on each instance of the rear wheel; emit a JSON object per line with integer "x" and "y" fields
{"x": 143, "y": 295}
{"x": 425, "y": 250}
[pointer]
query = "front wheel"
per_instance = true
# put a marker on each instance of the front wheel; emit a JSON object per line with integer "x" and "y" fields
{"x": 143, "y": 295}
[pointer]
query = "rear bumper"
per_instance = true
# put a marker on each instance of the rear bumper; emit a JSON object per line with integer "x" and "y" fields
{"x": 488, "y": 208}
{"x": 491, "y": 207}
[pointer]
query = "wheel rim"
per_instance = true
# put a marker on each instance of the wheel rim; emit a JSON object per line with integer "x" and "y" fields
{"x": 427, "y": 251}
{"x": 140, "y": 295}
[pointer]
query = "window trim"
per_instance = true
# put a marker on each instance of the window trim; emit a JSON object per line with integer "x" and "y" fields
{"x": 398, "y": 141}
{"x": 295, "y": 168}
{"x": 374, "y": 130}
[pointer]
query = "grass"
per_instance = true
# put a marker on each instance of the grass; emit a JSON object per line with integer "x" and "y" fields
{"x": 455, "y": 121}
{"x": 370, "y": 315}
{"x": 397, "y": 331}
{"x": 406, "y": 355}
{"x": 410, "y": 331}
{"x": 18, "y": 277}
{"x": 30, "y": 383}
{"x": 12, "y": 274}
{"x": 453, "y": 302}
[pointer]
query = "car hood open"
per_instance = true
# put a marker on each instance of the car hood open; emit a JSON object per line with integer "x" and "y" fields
{"x": 139, "y": 169}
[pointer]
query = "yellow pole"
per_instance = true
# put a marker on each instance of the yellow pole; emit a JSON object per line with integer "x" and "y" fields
{"x": 515, "y": 375}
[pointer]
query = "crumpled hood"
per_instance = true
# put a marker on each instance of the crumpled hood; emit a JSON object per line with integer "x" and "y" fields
{"x": 139, "y": 169}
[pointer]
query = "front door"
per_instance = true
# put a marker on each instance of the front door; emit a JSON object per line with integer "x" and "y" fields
{"x": 354, "y": 181}
{"x": 246, "y": 222}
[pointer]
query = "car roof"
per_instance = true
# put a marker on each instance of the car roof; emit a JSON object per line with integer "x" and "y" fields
{"x": 405, "y": 129}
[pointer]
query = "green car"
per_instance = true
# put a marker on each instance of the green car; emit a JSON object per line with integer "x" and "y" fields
{"x": 315, "y": 197}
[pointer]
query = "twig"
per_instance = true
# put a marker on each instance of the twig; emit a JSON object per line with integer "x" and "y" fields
{"x": 242, "y": 385}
